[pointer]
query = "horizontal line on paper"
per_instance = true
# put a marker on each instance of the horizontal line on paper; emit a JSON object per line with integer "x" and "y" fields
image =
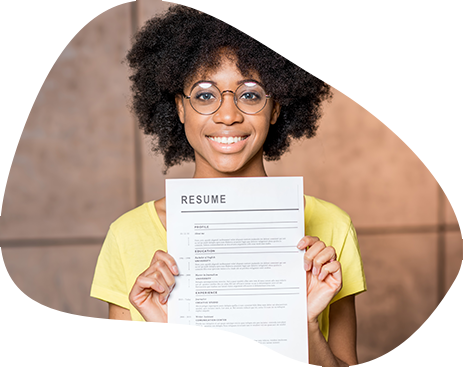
{"x": 239, "y": 210}
{"x": 236, "y": 229}
{"x": 250, "y": 294}
{"x": 227, "y": 247}
{"x": 242, "y": 289}
{"x": 213, "y": 224}
{"x": 241, "y": 253}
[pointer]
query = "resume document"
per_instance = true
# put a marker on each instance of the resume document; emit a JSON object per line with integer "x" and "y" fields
{"x": 234, "y": 241}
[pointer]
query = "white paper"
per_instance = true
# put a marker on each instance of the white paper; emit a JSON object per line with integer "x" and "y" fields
{"x": 234, "y": 241}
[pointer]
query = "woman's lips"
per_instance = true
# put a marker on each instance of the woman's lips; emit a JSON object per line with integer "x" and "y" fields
{"x": 228, "y": 144}
{"x": 227, "y": 139}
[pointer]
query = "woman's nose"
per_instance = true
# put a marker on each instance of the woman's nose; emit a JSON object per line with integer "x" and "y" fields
{"x": 228, "y": 113}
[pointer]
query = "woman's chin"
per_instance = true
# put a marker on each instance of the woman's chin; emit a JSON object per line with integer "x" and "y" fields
{"x": 238, "y": 169}
{"x": 228, "y": 170}
{"x": 229, "y": 165}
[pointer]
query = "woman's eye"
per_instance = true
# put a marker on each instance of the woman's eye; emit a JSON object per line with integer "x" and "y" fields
{"x": 250, "y": 97}
{"x": 205, "y": 96}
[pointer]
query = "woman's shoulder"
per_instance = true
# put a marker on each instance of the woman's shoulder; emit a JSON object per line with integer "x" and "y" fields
{"x": 139, "y": 232}
{"x": 138, "y": 218}
{"x": 321, "y": 209}
{"x": 328, "y": 222}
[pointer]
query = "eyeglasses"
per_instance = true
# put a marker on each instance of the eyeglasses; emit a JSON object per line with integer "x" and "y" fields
{"x": 206, "y": 99}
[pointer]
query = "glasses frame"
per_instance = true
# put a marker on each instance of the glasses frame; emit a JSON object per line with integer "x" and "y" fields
{"x": 267, "y": 97}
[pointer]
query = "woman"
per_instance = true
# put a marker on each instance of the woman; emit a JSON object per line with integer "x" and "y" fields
{"x": 210, "y": 94}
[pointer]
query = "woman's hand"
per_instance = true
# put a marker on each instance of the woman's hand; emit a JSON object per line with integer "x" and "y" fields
{"x": 151, "y": 290}
{"x": 324, "y": 278}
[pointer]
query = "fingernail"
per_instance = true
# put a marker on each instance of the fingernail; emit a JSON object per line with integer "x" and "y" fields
{"x": 175, "y": 269}
{"x": 161, "y": 289}
{"x": 301, "y": 244}
{"x": 306, "y": 267}
{"x": 315, "y": 271}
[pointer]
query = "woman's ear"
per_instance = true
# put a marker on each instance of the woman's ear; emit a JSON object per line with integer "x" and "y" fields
{"x": 275, "y": 113}
{"x": 180, "y": 108}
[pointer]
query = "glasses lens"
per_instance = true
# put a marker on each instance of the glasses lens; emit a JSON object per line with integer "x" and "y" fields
{"x": 250, "y": 97}
{"x": 205, "y": 97}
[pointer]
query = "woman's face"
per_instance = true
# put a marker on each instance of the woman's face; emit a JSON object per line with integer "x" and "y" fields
{"x": 243, "y": 154}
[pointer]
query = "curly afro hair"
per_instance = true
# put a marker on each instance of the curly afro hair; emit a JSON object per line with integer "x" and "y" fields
{"x": 173, "y": 48}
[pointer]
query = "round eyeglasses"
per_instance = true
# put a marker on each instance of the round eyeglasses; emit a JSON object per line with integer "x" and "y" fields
{"x": 206, "y": 99}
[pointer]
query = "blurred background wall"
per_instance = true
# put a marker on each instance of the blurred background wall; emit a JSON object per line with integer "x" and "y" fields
{"x": 82, "y": 162}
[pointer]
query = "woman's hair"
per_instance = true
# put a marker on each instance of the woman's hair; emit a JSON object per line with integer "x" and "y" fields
{"x": 170, "y": 50}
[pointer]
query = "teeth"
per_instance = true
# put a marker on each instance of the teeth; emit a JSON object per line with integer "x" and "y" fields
{"x": 227, "y": 140}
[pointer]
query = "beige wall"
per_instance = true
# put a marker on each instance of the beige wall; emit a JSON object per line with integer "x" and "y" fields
{"x": 81, "y": 163}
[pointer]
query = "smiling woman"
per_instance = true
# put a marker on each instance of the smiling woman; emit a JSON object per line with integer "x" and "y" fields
{"x": 209, "y": 93}
{"x": 227, "y": 141}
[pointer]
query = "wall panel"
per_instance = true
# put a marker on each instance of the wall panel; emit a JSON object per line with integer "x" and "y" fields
{"x": 72, "y": 173}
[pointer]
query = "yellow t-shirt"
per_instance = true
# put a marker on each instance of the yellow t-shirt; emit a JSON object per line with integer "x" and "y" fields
{"x": 133, "y": 239}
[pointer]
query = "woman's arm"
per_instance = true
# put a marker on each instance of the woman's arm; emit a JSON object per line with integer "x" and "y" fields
{"x": 324, "y": 281}
{"x": 342, "y": 338}
{"x": 120, "y": 336}
{"x": 341, "y": 349}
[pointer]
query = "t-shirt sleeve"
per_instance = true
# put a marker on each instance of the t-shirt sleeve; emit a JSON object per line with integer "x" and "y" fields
{"x": 109, "y": 282}
{"x": 353, "y": 276}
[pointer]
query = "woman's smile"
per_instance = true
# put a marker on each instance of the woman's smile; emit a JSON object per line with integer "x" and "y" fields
{"x": 228, "y": 144}
{"x": 227, "y": 139}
